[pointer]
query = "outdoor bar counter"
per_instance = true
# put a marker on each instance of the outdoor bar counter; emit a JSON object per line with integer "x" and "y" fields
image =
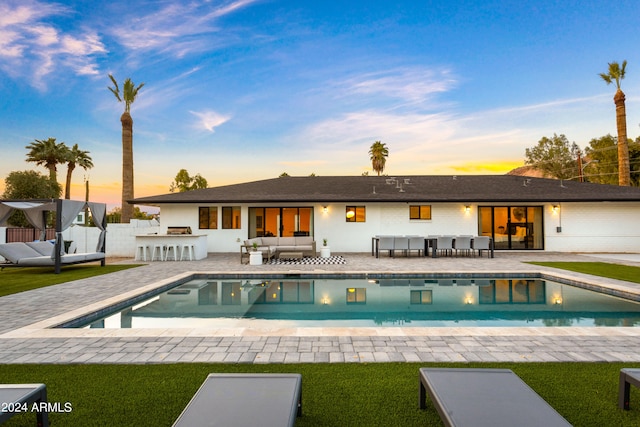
{"x": 199, "y": 242}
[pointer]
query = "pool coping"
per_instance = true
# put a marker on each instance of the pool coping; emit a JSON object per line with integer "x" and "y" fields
{"x": 46, "y": 328}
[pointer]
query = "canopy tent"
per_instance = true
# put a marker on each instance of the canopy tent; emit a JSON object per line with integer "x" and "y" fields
{"x": 66, "y": 211}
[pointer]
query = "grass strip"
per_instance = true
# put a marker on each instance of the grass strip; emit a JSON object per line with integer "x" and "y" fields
{"x": 346, "y": 394}
{"x": 603, "y": 269}
{"x": 16, "y": 279}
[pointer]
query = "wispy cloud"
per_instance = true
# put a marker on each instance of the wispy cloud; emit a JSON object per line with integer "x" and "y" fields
{"x": 413, "y": 85}
{"x": 210, "y": 120}
{"x": 180, "y": 28}
{"x": 32, "y": 47}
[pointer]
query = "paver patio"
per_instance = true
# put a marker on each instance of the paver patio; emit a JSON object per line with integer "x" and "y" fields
{"x": 22, "y": 343}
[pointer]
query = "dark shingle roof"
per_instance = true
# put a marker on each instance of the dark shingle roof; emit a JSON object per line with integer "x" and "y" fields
{"x": 422, "y": 188}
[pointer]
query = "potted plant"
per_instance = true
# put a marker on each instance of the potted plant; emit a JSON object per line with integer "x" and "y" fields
{"x": 255, "y": 257}
{"x": 325, "y": 251}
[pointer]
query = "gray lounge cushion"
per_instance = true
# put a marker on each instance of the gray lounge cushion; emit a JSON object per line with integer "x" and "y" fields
{"x": 304, "y": 240}
{"x": 270, "y": 241}
{"x": 256, "y": 240}
{"x": 89, "y": 256}
{"x": 17, "y": 250}
{"x": 36, "y": 261}
{"x": 286, "y": 241}
{"x": 43, "y": 248}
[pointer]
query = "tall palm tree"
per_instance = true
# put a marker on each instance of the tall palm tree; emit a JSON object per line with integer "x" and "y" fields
{"x": 378, "y": 154}
{"x": 76, "y": 157}
{"x": 616, "y": 74}
{"x": 48, "y": 153}
{"x": 128, "y": 95}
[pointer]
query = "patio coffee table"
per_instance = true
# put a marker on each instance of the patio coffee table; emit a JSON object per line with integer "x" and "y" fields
{"x": 485, "y": 397}
{"x": 245, "y": 400}
{"x": 19, "y": 398}
{"x": 628, "y": 377}
{"x": 290, "y": 255}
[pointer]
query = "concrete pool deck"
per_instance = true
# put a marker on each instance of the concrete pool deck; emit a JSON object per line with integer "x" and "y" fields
{"x": 24, "y": 317}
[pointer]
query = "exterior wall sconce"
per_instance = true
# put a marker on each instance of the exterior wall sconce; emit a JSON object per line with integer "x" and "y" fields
{"x": 468, "y": 300}
{"x": 325, "y": 301}
{"x": 555, "y": 209}
{"x": 467, "y": 208}
{"x": 557, "y": 300}
{"x": 325, "y": 209}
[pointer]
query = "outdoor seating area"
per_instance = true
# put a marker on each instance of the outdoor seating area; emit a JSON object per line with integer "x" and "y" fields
{"x": 432, "y": 245}
{"x": 66, "y": 211}
{"x": 270, "y": 247}
{"x": 42, "y": 254}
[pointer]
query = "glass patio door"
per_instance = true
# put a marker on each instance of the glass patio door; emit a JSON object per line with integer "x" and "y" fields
{"x": 512, "y": 227}
{"x": 280, "y": 222}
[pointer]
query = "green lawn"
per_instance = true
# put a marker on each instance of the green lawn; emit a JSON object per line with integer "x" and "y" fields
{"x": 602, "y": 269}
{"x": 377, "y": 394}
{"x": 16, "y": 279}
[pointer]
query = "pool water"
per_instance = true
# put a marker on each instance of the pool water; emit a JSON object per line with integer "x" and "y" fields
{"x": 362, "y": 302}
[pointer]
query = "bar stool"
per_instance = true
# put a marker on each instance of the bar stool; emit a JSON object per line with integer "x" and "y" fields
{"x": 172, "y": 248}
{"x": 158, "y": 251}
{"x": 189, "y": 249}
{"x": 141, "y": 252}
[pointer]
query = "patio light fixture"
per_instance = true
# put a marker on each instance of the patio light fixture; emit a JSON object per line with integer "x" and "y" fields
{"x": 325, "y": 209}
{"x": 467, "y": 208}
{"x": 555, "y": 209}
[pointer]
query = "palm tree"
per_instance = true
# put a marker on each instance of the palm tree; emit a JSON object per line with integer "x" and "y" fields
{"x": 129, "y": 94}
{"x": 616, "y": 74}
{"x": 48, "y": 153}
{"x": 76, "y": 157}
{"x": 378, "y": 154}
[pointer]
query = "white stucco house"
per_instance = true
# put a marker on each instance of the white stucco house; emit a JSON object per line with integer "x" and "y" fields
{"x": 519, "y": 213}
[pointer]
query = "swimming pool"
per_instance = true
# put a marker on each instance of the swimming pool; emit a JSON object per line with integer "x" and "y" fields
{"x": 202, "y": 301}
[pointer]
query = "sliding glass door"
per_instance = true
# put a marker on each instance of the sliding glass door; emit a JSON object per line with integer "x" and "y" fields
{"x": 512, "y": 227}
{"x": 280, "y": 222}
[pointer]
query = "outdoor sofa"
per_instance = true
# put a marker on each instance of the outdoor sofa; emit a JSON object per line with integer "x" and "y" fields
{"x": 273, "y": 246}
{"x": 42, "y": 254}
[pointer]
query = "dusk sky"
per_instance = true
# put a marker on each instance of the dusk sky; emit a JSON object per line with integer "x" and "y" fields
{"x": 248, "y": 89}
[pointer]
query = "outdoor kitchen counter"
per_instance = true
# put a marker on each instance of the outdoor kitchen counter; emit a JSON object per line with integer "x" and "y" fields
{"x": 199, "y": 242}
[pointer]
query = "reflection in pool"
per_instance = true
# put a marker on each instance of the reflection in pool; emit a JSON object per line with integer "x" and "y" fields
{"x": 361, "y": 302}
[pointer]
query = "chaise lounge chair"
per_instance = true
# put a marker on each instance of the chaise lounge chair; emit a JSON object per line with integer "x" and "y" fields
{"x": 245, "y": 400}
{"x": 485, "y": 397}
{"x": 24, "y": 396}
{"x": 628, "y": 377}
